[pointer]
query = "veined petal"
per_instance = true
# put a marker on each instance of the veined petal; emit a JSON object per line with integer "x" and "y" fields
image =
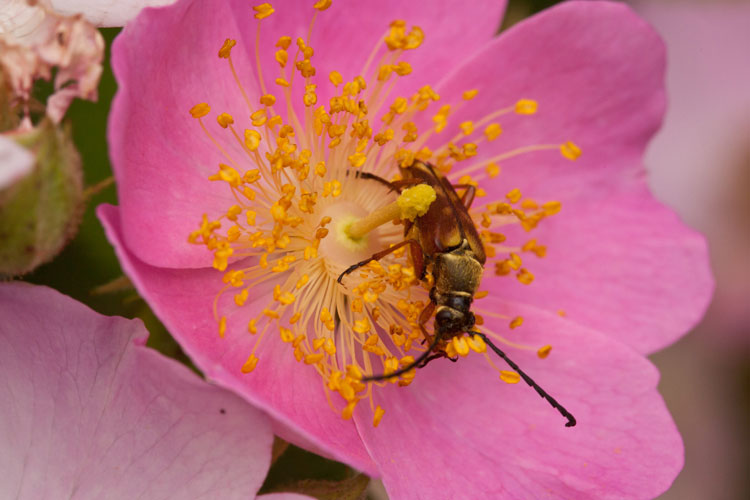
{"x": 618, "y": 261}
{"x": 508, "y": 443}
{"x": 88, "y": 411}
{"x": 290, "y": 393}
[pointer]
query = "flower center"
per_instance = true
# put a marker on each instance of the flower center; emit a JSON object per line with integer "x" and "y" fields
{"x": 312, "y": 196}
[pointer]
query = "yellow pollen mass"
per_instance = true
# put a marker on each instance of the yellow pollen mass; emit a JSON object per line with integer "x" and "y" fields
{"x": 224, "y": 120}
{"x": 226, "y": 48}
{"x": 526, "y": 107}
{"x": 543, "y": 352}
{"x": 415, "y": 201}
{"x": 570, "y": 151}
{"x": 509, "y": 377}
{"x": 322, "y": 4}
{"x": 263, "y": 10}
{"x": 469, "y": 94}
{"x": 200, "y": 110}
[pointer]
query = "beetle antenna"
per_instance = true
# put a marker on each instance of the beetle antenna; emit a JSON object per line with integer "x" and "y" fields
{"x": 552, "y": 401}
{"x": 410, "y": 366}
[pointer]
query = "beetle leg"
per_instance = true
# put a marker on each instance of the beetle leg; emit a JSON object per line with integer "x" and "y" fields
{"x": 394, "y": 186}
{"x": 379, "y": 255}
{"x": 468, "y": 197}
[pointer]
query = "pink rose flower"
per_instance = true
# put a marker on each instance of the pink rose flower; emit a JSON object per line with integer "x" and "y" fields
{"x": 234, "y": 223}
{"x": 89, "y": 412}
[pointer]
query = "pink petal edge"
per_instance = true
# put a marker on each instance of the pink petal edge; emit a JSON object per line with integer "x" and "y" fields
{"x": 618, "y": 261}
{"x": 459, "y": 432}
{"x": 160, "y": 156}
{"x": 292, "y": 394}
{"x": 90, "y": 412}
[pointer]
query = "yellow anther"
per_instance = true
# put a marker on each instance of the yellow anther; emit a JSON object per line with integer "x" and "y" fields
{"x": 348, "y": 410}
{"x": 561, "y": 313}
{"x": 271, "y": 313}
{"x": 226, "y": 48}
{"x": 543, "y": 352}
{"x": 460, "y": 345}
{"x": 200, "y": 110}
{"x": 515, "y": 261}
{"x": 320, "y": 169}
{"x": 526, "y": 107}
{"x": 570, "y": 151}
{"x": 357, "y": 160}
{"x": 286, "y": 335}
{"x": 467, "y": 127}
{"x": 259, "y": 117}
{"x": 415, "y": 201}
{"x": 241, "y": 298}
{"x": 525, "y": 277}
{"x": 493, "y": 131}
{"x": 470, "y": 94}
{"x": 252, "y": 327}
{"x": 493, "y": 170}
{"x": 286, "y": 298}
{"x": 318, "y": 343}
{"x": 551, "y": 207}
{"x": 469, "y": 149}
{"x": 402, "y": 68}
{"x": 514, "y": 195}
{"x": 222, "y": 326}
{"x": 251, "y": 175}
{"x": 302, "y": 281}
{"x": 282, "y": 82}
{"x": 353, "y": 371}
{"x": 509, "y": 377}
{"x": 268, "y": 100}
{"x": 224, "y": 120}
{"x": 329, "y": 347}
{"x": 322, "y": 4}
{"x": 335, "y": 78}
{"x": 516, "y": 322}
{"x": 250, "y": 364}
{"x": 476, "y": 343}
{"x": 378, "y": 416}
{"x": 263, "y": 10}
{"x": 311, "y": 359}
{"x": 284, "y": 42}
{"x": 363, "y": 326}
{"x": 233, "y": 212}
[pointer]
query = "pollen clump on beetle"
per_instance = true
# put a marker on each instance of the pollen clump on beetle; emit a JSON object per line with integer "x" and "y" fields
{"x": 299, "y": 212}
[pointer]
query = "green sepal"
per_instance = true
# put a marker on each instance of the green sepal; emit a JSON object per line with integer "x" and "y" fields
{"x": 41, "y": 212}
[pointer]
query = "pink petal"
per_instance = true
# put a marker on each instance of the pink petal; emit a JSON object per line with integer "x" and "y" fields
{"x": 458, "y": 431}
{"x": 289, "y": 391}
{"x": 621, "y": 263}
{"x": 161, "y": 157}
{"x": 106, "y": 12}
{"x": 618, "y": 261}
{"x": 89, "y": 412}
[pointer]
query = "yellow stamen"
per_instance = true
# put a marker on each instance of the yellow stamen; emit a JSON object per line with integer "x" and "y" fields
{"x": 509, "y": 377}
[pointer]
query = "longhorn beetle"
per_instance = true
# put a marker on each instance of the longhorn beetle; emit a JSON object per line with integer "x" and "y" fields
{"x": 445, "y": 241}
